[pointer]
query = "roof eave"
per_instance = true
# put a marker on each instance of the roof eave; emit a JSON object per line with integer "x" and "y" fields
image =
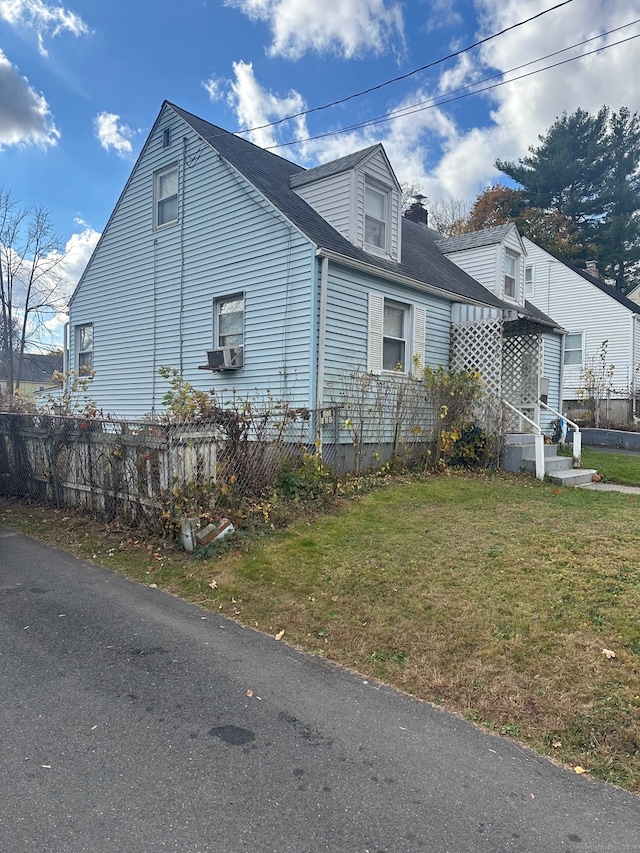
{"x": 398, "y": 278}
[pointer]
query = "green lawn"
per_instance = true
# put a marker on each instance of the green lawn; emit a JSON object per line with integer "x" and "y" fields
{"x": 496, "y": 596}
{"x": 623, "y": 468}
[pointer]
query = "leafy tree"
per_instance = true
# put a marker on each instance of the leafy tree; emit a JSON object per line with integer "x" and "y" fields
{"x": 498, "y": 205}
{"x": 30, "y": 278}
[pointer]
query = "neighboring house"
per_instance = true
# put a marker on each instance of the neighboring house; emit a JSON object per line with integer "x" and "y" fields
{"x": 285, "y": 279}
{"x": 602, "y": 348}
{"x": 37, "y": 373}
{"x": 532, "y": 342}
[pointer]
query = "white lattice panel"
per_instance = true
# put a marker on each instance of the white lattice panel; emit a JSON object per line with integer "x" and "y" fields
{"x": 477, "y": 346}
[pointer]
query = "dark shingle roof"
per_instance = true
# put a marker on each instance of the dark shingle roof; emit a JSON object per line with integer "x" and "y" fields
{"x": 475, "y": 239}
{"x": 334, "y": 167}
{"x": 36, "y": 367}
{"x": 271, "y": 175}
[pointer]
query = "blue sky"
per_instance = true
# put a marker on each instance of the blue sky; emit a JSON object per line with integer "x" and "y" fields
{"x": 81, "y": 85}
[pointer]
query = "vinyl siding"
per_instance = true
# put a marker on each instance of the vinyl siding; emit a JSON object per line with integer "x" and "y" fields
{"x": 149, "y": 293}
{"x": 579, "y": 306}
{"x": 483, "y": 264}
{"x": 333, "y": 199}
{"x": 487, "y": 265}
{"x": 347, "y": 324}
{"x": 551, "y": 355}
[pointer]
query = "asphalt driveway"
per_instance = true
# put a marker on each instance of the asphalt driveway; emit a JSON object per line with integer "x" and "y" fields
{"x": 132, "y": 721}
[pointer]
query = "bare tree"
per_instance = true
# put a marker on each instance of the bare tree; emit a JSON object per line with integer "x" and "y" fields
{"x": 449, "y": 216}
{"x": 411, "y": 190}
{"x": 31, "y": 278}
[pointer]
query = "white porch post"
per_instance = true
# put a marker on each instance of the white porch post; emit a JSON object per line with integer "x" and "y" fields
{"x": 539, "y": 447}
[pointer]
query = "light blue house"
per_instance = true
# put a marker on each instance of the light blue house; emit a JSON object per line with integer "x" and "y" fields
{"x": 220, "y": 254}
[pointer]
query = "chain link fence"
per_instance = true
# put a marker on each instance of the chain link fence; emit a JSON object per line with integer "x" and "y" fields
{"x": 607, "y": 408}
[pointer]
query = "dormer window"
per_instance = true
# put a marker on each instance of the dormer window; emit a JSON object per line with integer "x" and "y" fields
{"x": 510, "y": 275}
{"x": 375, "y": 217}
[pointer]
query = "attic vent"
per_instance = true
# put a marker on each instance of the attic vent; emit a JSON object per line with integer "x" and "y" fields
{"x": 166, "y": 137}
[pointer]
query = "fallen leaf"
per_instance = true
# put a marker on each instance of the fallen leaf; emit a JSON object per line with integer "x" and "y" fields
{"x": 579, "y": 769}
{"x": 280, "y": 634}
{"x": 214, "y": 584}
{"x": 608, "y": 653}
{"x": 249, "y": 693}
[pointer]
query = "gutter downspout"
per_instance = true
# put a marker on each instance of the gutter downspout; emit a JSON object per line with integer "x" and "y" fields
{"x": 322, "y": 332}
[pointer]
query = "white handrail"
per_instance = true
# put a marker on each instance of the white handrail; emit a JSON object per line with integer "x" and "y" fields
{"x": 522, "y": 415}
{"x": 538, "y": 439}
{"x": 577, "y": 435}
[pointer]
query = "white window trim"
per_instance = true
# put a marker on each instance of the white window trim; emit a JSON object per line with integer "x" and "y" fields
{"x": 79, "y": 351}
{"x": 516, "y": 259}
{"x": 414, "y": 336}
{"x": 530, "y": 289}
{"x": 574, "y": 349}
{"x": 173, "y": 167}
{"x": 218, "y": 300}
{"x": 386, "y": 192}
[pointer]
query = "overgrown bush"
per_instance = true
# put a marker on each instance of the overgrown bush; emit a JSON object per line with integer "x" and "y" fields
{"x": 456, "y": 438}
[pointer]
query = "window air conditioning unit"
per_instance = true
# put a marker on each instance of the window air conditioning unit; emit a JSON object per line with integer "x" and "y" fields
{"x": 225, "y": 358}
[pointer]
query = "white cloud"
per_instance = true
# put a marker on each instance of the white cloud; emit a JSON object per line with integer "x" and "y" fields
{"x": 443, "y": 151}
{"x": 214, "y": 88}
{"x": 78, "y": 250}
{"x": 255, "y": 106}
{"x": 525, "y": 109}
{"x": 113, "y": 135}
{"x": 24, "y": 114}
{"x": 346, "y": 28}
{"x": 42, "y": 17}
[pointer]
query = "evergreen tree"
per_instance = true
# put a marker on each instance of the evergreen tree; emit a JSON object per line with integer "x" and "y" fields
{"x": 580, "y": 191}
{"x": 617, "y": 236}
{"x": 565, "y": 173}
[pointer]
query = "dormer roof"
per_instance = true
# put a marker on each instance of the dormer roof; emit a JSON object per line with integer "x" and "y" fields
{"x": 477, "y": 239}
{"x": 334, "y": 167}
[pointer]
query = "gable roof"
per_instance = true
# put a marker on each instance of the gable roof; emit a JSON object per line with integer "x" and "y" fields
{"x": 607, "y": 289}
{"x": 422, "y": 264}
{"x": 476, "y": 239}
{"x": 36, "y": 367}
{"x": 334, "y": 167}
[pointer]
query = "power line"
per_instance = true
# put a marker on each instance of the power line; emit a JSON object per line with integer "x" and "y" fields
{"x": 433, "y": 102}
{"x": 402, "y": 76}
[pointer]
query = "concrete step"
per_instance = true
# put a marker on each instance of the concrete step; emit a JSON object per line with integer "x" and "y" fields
{"x": 573, "y": 477}
{"x": 552, "y": 464}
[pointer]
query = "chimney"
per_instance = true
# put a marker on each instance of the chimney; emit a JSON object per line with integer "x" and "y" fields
{"x": 416, "y": 212}
{"x": 592, "y": 269}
